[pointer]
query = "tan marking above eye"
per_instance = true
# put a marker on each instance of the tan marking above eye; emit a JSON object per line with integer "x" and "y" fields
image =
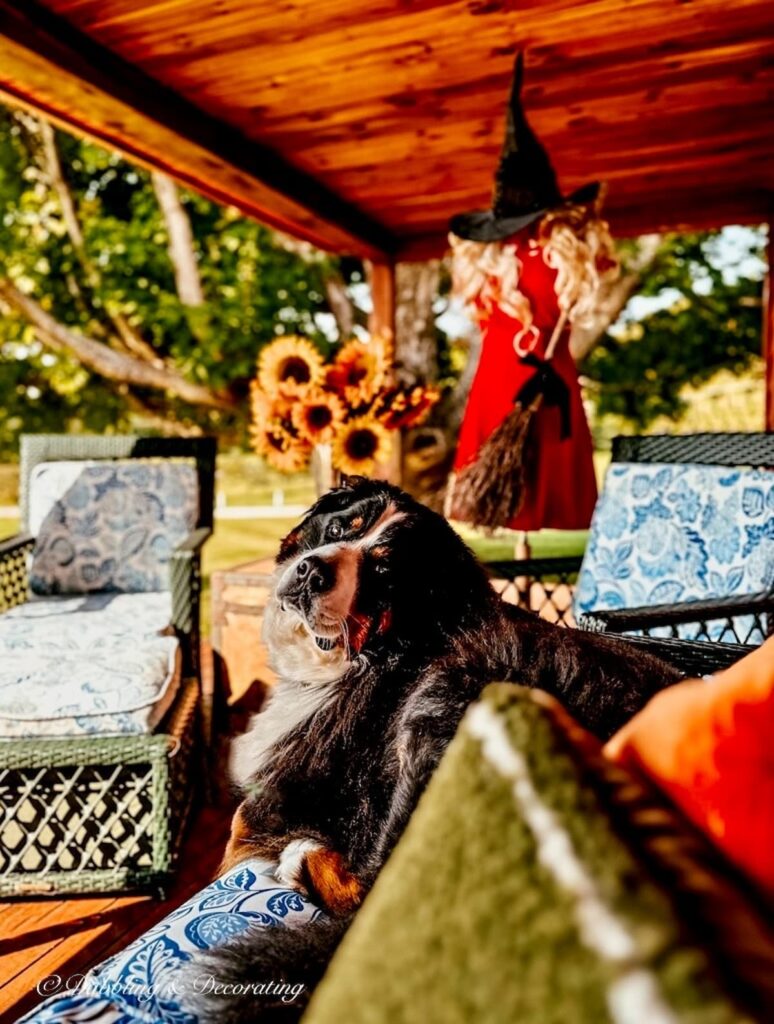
{"x": 380, "y": 552}
{"x": 356, "y": 523}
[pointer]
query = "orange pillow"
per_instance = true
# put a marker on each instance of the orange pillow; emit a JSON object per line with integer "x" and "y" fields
{"x": 709, "y": 744}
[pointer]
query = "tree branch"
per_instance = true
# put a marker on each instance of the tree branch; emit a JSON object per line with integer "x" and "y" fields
{"x": 130, "y": 339}
{"x": 612, "y": 299}
{"x": 181, "y": 245}
{"x": 106, "y": 361}
{"x": 58, "y": 183}
{"x": 157, "y": 417}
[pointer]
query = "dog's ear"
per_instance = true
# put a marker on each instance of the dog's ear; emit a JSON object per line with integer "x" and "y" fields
{"x": 349, "y": 481}
{"x": 290, "y": 545}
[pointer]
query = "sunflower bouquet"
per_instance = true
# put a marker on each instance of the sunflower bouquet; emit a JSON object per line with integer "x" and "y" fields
{"x": 351, "y": 403}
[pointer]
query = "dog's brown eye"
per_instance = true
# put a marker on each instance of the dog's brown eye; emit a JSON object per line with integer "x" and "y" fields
{"x": 379, "y": 556}
{"x": 335, "y": 529}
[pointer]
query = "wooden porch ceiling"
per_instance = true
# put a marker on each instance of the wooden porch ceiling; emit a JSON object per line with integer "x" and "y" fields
{"x": 363, "y": 124}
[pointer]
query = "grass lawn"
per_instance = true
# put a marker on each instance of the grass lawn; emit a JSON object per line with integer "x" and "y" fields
{"x": 235, "y": 541}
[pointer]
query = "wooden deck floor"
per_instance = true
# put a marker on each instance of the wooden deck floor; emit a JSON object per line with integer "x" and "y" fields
{"x": 43, "y": 937}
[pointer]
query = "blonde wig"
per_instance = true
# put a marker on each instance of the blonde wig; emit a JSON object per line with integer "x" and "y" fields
{"x": 575, "y": 242}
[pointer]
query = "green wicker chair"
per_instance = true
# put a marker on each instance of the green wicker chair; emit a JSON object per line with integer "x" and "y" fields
{"x": 185, "y": 575}
{"x": 103, "y": 813}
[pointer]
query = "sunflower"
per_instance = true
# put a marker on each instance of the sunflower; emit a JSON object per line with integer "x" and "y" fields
{"x": 269, "y": 411}
{"x": 360, "y": 445}
{"x": 261, "y": 405}
{"x": 357, "y": 371}
{"x": 400, "y": 409}
{"x": 289, "y": 366}
{"x": 280, "y": 448}
{"x": 317, "y": 415}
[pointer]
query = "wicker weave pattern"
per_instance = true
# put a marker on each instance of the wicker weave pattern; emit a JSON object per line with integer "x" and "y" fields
{"x": 185, "y": 582}
{"x": 694, "y": 658}
{"x": 97, "y": 814}
{"x": 743, "y": 619}
{"x": 14, "y": 558}
{"x": 740, "y": 449}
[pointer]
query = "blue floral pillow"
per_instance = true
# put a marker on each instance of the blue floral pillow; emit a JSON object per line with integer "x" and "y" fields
{"x": 144, "y": 982}
{"x": 664, "y": 534}
{"x": 108, "y": 525}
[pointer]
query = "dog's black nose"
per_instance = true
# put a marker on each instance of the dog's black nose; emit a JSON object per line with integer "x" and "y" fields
{"x": 315, "y": 574}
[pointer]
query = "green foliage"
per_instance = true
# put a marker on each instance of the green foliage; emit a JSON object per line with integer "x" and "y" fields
{"x": 709, "y": 320}
{"x": 255, "y": 284}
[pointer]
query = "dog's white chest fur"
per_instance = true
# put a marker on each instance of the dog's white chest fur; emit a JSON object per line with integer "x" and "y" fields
{"x": 307, "y": 682}
{"x": 290, "y": 704}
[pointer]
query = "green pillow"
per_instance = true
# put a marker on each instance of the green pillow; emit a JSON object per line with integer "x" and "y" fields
{"x": 537, "y": 883}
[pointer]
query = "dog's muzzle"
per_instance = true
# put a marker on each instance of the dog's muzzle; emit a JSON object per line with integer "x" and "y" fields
{"x": 311, "y": 577}
{"x": 321, "y": 588}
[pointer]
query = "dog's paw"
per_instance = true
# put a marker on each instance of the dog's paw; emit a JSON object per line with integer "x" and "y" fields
{"x": 290, "y": 867}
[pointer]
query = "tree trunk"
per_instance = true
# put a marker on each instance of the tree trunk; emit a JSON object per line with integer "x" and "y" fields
{"x": 426, "y": 449}
{"x": 106, "y": 361}
{"x": 181, "y": 243}
{"x": 339, "y": 303}
{"x": 416, "y": 344}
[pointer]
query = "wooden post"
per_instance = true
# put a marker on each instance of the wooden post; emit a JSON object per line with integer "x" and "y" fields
{"x": 768, "y": 330}
{"x": 381, "y": 277}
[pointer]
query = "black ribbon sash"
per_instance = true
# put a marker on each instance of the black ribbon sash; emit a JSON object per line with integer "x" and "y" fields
{"x": 546, "y": 382}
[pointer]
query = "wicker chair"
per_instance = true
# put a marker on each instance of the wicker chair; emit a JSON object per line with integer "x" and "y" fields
{"x": 185, "y": 573}
{"x": 743, "y": 619}
{"x": 85, "y": 813}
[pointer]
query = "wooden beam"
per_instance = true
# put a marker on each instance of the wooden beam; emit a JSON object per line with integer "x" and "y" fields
{"x": 768, "y": 330}
{"x": 51, "y": 67}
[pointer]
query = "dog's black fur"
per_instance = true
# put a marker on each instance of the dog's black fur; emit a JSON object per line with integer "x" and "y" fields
{"x": 429, "y": 633}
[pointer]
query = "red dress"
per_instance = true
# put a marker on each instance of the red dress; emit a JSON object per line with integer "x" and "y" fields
{"x": 559, "y": 482}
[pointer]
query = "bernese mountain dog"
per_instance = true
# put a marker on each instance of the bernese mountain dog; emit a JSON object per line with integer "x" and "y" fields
{"x": 382, "y": 628}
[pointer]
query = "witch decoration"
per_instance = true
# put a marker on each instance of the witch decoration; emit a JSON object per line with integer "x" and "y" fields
{"x": 528, "y": 269}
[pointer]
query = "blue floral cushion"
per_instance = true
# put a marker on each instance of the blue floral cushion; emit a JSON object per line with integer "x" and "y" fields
{"x": 108, "y": 525}
{"x": 143, "y": 982}
{"x": 91, "y": 664}
{"x": 120, "y": 690}
{"x": 664, "y": 534}
{"x": 87, "y": 622}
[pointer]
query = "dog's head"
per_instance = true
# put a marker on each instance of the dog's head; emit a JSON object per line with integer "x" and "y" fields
{"x": 367, "y": 567}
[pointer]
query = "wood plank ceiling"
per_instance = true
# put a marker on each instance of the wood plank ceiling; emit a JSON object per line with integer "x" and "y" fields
{"x": 395, "y": 107}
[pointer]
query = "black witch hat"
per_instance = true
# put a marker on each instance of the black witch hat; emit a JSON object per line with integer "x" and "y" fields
{"x": 525, "y": 184}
